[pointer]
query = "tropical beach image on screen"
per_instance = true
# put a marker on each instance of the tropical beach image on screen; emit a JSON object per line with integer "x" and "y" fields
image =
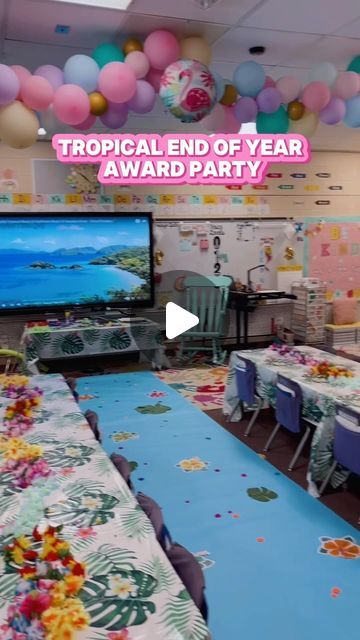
{"x": 72, "y": 261}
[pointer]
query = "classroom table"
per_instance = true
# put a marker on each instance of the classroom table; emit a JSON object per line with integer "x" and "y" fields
{"x": 129, "y": 581}
{"x": 81, "y": 338}
{"x": 319, "y": 399}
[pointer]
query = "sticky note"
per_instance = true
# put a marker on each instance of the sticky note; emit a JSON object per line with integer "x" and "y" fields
{"x": 123, "y": 198}
{"x": 167, "y": 199}
{"x": 22, "y": 198}
{"x": 335, "y": 233}
{"x": 73, "y": 198}
{"x": 343, "y": 249}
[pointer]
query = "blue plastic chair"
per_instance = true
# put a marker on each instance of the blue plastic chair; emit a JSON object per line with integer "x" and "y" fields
{"x": 245, "y": 375}
{"x": 190, "y": 573}
{"x": 206, "y": 297}
{"x": 346, "y": 442}
{"x": 288, "y": 414}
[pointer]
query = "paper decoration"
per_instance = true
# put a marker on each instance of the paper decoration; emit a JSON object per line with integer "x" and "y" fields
{"x": 355, "y": 249}
{"x": 204, "y": 244}
{"x": 325, "y": 250}
{"x": 245, "y": 232}
{"x": 335, "y": 233}
{"x": 223, "y": 257}
{"x": 167, "y": 199}
{"x": 73, "y": 198}
{"x": 343, "y": 250}
{"x": 185, "y": 245}
{"x": 212, "y": 200}
{"x": 22, "y": 198}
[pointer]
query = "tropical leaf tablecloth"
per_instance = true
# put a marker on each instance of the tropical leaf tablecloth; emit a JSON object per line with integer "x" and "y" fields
{"x": 130, "y": 591}
{"x": 319, "y": 399}
{"x": 81, "y": 340}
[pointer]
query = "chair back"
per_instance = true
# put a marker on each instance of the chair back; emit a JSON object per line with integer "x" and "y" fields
{"x": 93, "y": 420}
{"x": 347, "y": 438}
{"x": 11, "y": 361}
{"x": 153, "y": 511}
{"x": 72, "y": 384}
{"x": 245, "y": 372}
{"x": 207, "y": 297}
{"x": 288, "y": 404}
{"x": 190, "y": 573}
{"x": 123, "y": 466}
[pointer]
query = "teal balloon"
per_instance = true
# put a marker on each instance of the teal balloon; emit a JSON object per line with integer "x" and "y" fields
{"x": 276, "y": 122}
{"x": 352, "y": 113}
{"x": 249, "y": 78}
{"x": 354, "y": 65}
{"x": 107, "y": 52}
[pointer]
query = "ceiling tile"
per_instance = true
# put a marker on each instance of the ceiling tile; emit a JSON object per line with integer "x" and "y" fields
{"x": 234, "y": 45}
{"x": 134, "y": 26}
{"x": 329, "y": 48}
{"x": 304, "y": 16}
{"x": 350, "y": 30}
{"x": 35, "y": 21}
{"x": 227, "y": 12}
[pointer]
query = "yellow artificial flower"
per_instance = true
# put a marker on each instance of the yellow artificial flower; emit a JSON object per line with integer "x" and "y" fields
{"x": 18, "y": 555}
{"x": 62, "y": 545}
{"x": 73, "y": 584}
{"x": 23, "y": 542}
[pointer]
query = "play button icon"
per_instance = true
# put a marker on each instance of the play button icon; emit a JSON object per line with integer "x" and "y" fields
{"x": 178, "y": 320}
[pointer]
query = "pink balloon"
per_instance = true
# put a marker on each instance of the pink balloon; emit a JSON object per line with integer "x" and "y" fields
{"x": 246, "y": 109}
{"x": 269, "y": 100}
{"x": 37, "y": 93}
{"x": 117, "y": 82}
{"x": 269, "y": 82}
{"x": 144, "y": 99}
{"x": 9, "y": 85}
{"x": 316, "y": 96}
{"x": 71, "y": 104}
{"x": 346, "y": 85}
{"x": 231, "y": 124}
{"x": 52, "y": 74}
{"x": 289, "y": 87}
{"x": 22, "y": 75}
{"x": 139, "y": 63}
{"x": 334, "y": 111}
{"x": 87, "y": 124}
{"x": 215, "y": 120}
{"x": 154, "y": 77}
{"x": 162, "y": 49}
{"x": 115, "y": 116}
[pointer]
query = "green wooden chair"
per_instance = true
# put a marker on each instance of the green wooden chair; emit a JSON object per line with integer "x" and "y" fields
{"x": 206, "y": 297}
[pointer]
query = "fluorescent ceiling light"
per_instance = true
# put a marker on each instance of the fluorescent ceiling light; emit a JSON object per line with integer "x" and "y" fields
{"x": 42, "y": 131}
{"x": 248, "y": 127}
{"x": 100, "y": 4}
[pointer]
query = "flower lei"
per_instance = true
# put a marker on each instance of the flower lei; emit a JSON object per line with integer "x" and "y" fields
{"x": 24, "y": 461}
{"x": 46, "y": 604}
{"x": 19, "y": 415}
{"x": 327, "y": 371}
{"x": 292, "y": 354}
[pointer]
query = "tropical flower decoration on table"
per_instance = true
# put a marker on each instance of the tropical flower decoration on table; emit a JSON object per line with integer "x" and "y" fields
{"x": 23, "y": 461}
{"x": 46, "y": 605}
{"x": 324, "y": 370}
{"x": 291, "y": 354}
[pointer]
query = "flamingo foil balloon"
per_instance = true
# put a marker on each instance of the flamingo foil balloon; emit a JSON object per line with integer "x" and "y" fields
{"x": 188, "y": 90}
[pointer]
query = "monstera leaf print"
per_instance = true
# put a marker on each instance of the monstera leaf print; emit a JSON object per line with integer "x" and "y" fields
{"x": 7, "y": 493}
{"x": 71, "y": 344}
{"x": 119, "y": 599}
{"x": 70, "y": 455}
{"x": 117, "y": 340}
{"x": 109, "y": 559}
{"x": 183, "y": 620}
{"x": 154, "y": 409}
{"x": 38, "y": 341}
{"x": 75, "y": 418}
{"x": 163, "y": 575}
{"x": 43, "y": 416}
{"x": 135, "y": 523}
{"x": 86, "y": 511}
{"x": 261, "y": 494}
{"x": 91, "y": 336}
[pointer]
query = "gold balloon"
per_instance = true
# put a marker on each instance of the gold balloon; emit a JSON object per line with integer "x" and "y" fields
{"x": 230, "y": 95}
{"x": 98, "y": 104}
{"x": 132, "y": 45}
{"x": 289, "y": 253}
{"x": 295, "y": 110}
{"x": 18, "y": 125}
{"x": 196, "y": 48}
{"x": 306, "y": 126}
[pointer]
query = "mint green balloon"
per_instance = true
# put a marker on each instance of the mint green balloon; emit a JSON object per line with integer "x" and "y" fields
{"x": 107, "y": 52}
{"x": 276, "y": 122}
{"x": 354, "y": 65}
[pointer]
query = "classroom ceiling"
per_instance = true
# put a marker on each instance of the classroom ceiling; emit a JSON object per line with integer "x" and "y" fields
{"x": 296, "y": 34}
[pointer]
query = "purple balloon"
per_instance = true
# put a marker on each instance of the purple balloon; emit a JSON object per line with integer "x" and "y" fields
{"x": 144, "y": 99}
{"x": 116, "y": 115}
{"x": 333, "y": 112}
{"x": 9, "y": 85}
{"x": 269, "y": 100}
{"x": 245, "y": 110}
{"x": 52, "y": 74}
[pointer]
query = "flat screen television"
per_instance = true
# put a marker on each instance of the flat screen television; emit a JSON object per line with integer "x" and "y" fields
{"x": 50, "y": 262}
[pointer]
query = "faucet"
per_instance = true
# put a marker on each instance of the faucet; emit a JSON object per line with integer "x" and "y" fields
{"x": 249, "y": 284}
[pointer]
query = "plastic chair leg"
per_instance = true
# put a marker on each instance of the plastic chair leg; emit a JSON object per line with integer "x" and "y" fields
{"x": 299, "y": 449}
{"x": 327, "y": 477}
{"x": 272, "y": 436}
{"x": 254, "y": 417}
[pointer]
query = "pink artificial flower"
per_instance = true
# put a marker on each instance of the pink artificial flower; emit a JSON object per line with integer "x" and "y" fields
{"x": 35, "y": 604}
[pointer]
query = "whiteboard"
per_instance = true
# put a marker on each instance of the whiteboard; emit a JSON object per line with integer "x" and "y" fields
{"x": 226, "y": 247}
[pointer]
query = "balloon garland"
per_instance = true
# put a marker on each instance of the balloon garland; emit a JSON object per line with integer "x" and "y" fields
{"x": 115, "y": 81}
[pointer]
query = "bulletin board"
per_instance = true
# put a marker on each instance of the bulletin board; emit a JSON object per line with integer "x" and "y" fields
{"x": 332, "y": 253}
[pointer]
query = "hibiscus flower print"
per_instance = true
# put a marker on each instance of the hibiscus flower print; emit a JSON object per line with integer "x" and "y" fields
{"x": 157, "y": 394}
{"x": 118, "y": 635}
{"x": 192, "y": 464}
{"x": 122, "y": 587}
{"x": 340, "y": 547}
{"x": 86, "y": 532}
